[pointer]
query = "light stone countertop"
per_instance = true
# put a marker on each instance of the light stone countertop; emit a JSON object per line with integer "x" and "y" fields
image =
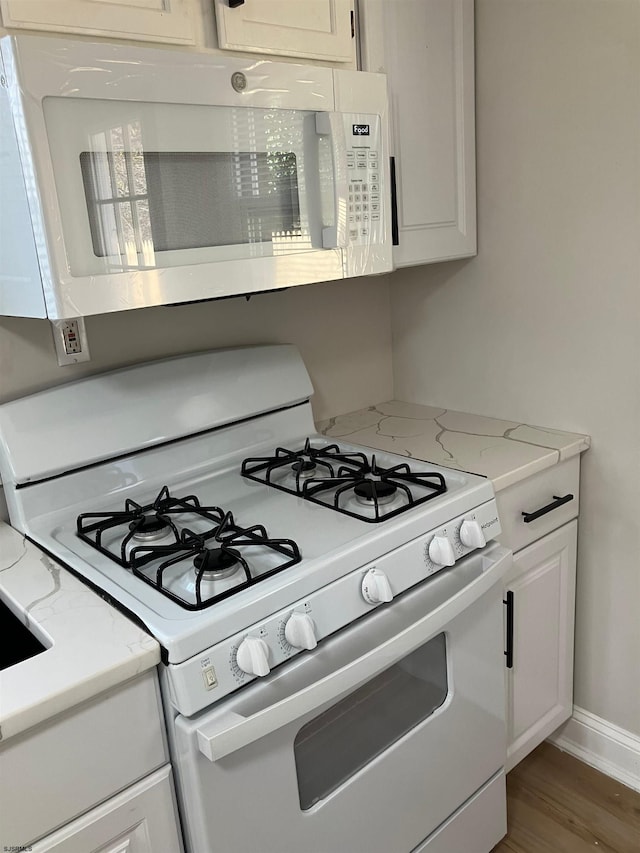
{"x": 504, "y": 451}
{"x": 90, "y": 645}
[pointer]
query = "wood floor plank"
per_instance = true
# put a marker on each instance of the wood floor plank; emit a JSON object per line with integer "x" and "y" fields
{"x": 561, "y": 830}
{"x": 557, "y": 804}
{"x": 556, "y": 798}
{"x": 572, "y": 778}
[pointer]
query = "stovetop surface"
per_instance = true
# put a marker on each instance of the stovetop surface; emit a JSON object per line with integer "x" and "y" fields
{"x": 330, "y": 543}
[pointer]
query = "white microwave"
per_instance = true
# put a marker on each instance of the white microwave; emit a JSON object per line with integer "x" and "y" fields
{"x": 140, "y": 177}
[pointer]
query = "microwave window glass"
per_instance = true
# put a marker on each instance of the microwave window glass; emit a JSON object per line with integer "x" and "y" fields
{"x": 143, "y": 202}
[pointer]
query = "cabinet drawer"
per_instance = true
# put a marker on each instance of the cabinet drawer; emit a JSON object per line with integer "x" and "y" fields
{"x": 536, "y": 493}
{"x": 60, "y": 769}
{"x": 141, "y": 819}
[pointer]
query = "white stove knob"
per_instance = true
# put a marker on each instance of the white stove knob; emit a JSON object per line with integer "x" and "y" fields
{"x": 299, "y": 631}
{"x": 471, "y": 534}
{"x": 441, "y": 551}
{"x": 375, "y": 587}
{"x": 253, "y": 656}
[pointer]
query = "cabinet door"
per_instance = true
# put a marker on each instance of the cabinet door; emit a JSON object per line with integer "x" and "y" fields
{"x": 540, "y": 681}
{"x": 426, "y": 48}
{"x": 144, "y": 20}
{"x": 315, "y": 29}
{"x": 141, "y": 819}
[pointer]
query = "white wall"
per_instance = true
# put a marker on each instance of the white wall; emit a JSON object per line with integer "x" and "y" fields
{"x": 341, "y": 328}
{"x": 544, "y": 325}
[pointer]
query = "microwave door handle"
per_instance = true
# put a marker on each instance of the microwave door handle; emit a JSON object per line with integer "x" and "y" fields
{"x": 231, "y": 731}
{"x": 332, "y": 125}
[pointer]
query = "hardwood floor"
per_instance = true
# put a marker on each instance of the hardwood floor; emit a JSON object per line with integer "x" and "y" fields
{"x": 557, "y": 804}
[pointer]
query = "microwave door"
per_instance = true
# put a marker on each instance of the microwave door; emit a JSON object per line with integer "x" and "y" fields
{"x": 155, "y": 187}
{"x": 172, "y": 184}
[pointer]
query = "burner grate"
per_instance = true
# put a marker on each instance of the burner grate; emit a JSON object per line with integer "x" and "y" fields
{"x": 343, "y": 475}
{"x": 300, "y": 462}
{"x": 91, "y": 527}
{"x": 376, "y": 486}
{"x": 231, "y": 543}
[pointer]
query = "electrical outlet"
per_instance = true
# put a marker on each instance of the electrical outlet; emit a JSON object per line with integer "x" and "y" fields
{"x": 70, "y": 338}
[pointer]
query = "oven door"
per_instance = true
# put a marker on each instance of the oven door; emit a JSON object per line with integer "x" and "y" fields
{"x": 369, "y": 742}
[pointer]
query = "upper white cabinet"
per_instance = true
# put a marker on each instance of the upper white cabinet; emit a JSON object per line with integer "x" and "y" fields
{"x": 143, "y": 20}
{"x": 314, "y": 29}
{"x": 426, "y": 48}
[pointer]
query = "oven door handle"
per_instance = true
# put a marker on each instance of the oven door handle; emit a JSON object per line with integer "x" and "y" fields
{"x": 232, "y": 731}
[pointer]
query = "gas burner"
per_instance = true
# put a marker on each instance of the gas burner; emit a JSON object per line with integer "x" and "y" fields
{"x": 369, "y": 492}
{"x": 304, "y": 467}
{"x": 149, "y": 527}
{"x": 216, "y": 563}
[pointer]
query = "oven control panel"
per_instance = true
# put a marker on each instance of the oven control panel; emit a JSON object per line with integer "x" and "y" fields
{"x": 253, "y": 653}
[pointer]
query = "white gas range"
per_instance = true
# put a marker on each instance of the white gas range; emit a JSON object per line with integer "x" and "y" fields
{"x": 323, "y": 612}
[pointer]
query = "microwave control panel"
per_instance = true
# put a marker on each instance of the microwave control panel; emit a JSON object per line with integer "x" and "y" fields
{"x": 364, "y": 200}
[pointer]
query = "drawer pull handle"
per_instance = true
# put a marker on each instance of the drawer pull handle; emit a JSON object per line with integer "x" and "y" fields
{"x": 527, "y": 517}
{"x": 509, "y": 602}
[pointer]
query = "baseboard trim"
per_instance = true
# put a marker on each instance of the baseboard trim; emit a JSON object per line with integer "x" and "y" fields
{"x": 600, "y": 744}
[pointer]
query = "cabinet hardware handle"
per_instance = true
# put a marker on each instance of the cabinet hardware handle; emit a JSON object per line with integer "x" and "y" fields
{"x": 395, "y": 240}
{"x": 233, "y": 4}
{"x": 555, "y": 503}
{"x": 508, "y": 601}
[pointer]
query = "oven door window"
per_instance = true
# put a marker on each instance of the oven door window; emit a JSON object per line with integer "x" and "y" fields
{"x": 345, "y": 738}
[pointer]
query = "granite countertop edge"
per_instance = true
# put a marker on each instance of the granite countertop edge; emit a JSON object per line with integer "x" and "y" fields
{"x": 506, "y": 452}
{"x": 90, "y": 646}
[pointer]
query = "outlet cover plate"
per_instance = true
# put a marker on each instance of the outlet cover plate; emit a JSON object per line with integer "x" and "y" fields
{"x": 70, "y": 339}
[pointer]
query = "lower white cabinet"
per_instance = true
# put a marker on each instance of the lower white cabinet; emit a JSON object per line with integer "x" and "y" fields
{"x": 540, "y": 599}
{"x": 138, "y": 820}
{"x": 93, "y": 779}
{"x": 538, "y": 519}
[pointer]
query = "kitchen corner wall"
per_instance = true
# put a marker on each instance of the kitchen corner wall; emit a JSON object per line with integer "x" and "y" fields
{"x": 544, "y": 325}
{"x": 341, "y": 328}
